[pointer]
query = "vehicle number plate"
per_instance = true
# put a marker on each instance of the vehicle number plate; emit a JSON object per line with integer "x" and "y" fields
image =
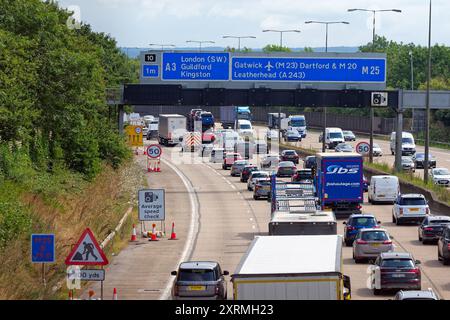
{"x": 414, "y": 209}
{"x": 375, "y": 244}
{"x": 381, "y": 196}
{"x": 398, "y": 275}
{"x": 196, "y": 288}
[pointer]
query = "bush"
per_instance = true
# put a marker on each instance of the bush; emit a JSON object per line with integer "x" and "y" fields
{"x": 113, "y": 148}
{"x": 14, "y": 220}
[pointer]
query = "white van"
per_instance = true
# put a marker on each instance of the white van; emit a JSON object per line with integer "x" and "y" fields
{"x": 244, "y": 128}
{"x": 383, "y": 189}
{"x": 334, "y": 136}
{"x": 408, "y": 144}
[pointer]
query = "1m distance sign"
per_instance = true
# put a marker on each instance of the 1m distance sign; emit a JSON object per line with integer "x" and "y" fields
{"x": 363, "y": 148}
{"x": 154, "y": 151}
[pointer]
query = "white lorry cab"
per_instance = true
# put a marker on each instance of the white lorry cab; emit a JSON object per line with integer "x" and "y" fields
{"x": 383, "y": 189}
{"x": 408, "y": 144}
{"x": 244, "y": 128}
{"x": 333, "y": 136}
{"x": 298, "y": 122}
{"x": 292, "y": 268}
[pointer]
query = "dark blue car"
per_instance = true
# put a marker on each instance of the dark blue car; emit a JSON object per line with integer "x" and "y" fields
{"x": 357, "y": 222}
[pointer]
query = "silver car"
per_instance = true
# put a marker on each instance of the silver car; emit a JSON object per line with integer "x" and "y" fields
{"x": 416, "y": 295}
{"x": 237, "y": 167}
{"x": 254, "y": 176}
{"x": 408, "y": 164}
{"x": 369, "y": 243}
{"x": 270, "y": 161}
{"x": 199, "y": 280}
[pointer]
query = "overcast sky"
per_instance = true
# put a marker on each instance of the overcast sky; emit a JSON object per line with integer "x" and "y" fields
{"x": 136, "y": 23}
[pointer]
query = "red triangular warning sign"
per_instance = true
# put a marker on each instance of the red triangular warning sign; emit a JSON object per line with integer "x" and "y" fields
{"x": 87, "y": 252}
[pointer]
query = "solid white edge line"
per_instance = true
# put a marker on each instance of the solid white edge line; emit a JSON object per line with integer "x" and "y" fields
{"x": 193, "y": 227}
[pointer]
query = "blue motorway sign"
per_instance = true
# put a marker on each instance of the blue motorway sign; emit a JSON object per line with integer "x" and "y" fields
{"x": 205, "y": 66}
{"x": 150, "y": 71}
{"x": 308, "y": 69}
{"x": 42, "y": 248}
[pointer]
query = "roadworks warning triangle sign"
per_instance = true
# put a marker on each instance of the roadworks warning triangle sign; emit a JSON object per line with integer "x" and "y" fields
{"x": 87, "y": 252}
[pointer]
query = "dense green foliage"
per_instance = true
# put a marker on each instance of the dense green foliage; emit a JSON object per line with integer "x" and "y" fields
{"x": 53, "y": 111}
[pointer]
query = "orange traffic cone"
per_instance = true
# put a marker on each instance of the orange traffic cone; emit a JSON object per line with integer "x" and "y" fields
{"x": 158, "y": 168}
{"x": 173, "y": 235}
{"x": 70, "y": 295}
{"x": 115, "y": 294}
{"x": 91, "y": 294}
{"x": 153, "y": 237}
{"x": 133, "y": 234}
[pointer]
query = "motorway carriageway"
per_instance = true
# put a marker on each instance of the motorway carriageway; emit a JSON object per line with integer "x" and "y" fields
{"x": 224, "y": 221}
{"x": 312, "y": 142}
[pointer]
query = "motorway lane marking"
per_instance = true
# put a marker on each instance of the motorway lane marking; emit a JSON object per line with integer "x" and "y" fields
{"x": 193, "y": 226}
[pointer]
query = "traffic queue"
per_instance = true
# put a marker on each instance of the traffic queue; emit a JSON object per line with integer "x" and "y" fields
{"x": 307, "y": 195}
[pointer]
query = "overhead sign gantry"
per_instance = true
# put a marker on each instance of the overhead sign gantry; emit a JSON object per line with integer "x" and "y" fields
{"x": 333, "y": 71}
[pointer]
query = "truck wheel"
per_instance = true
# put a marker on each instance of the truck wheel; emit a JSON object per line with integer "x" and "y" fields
{"x": 393, "y": 219}
{"x": 348, "y": 243}
{"x": 446, "y": 262}
{"x": 255, "y": 198}
{"x": 420, "y": 239}
{"x": 397, "y": 221}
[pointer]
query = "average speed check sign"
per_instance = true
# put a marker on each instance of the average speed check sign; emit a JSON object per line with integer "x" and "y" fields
{"x": 154, "y": 151}
{"x": 363, "y": 148}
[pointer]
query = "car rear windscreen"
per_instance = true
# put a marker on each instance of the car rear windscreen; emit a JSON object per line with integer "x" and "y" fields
{"x": 412, "y": 202}
{"x": 196, "y": 275}
{"x": 397, "y": 263}
{"x": 363, "y": 221}
{"x": 374, "y": 236}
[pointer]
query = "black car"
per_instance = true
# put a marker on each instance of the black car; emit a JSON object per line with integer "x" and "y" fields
{"x": 289, "y": 155}
{"x": 419, "y": 161}
{"x": 432, "y": 227}
{"x": 245, "y": 174}
{"x": 310, "y": 162}
{"x": 444, "y": 246}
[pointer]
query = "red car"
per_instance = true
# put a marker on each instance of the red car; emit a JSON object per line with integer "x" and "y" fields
{"x": 290, "y": 155}
{"x": 208, "y": 137}
{"x": 229, "y": 160}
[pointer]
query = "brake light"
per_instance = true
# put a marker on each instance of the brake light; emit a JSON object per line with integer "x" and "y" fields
{"x": 387, "y": 242}
{"x": 428, "y": 229}
{"x": 376, "y": 226}
{"x": 448, "y": 247}
{"x": 361, "y": 242}
{"x": 358, "y": 207}
{"x": 415, "y": 271}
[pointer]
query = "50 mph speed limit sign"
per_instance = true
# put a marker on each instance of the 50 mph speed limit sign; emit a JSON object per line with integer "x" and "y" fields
{"x": 363, "y": 148}
{"x": 154, "y": 151}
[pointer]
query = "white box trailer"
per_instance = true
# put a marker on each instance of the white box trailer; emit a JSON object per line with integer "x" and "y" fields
{"x": 171, "y": 129}
{"x": 292, "y": 268}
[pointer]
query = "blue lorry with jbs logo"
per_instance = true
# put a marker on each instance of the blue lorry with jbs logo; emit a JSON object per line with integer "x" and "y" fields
{"x": 339, "y": 183}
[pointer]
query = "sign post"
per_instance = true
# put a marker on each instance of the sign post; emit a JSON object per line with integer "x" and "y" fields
{"x": 154, "y": 153}
{"x": 87, "y": 252}
{"x": 152, "y": 206}
{"x": 363, "y": 148}
{"x": 43, "y": 251}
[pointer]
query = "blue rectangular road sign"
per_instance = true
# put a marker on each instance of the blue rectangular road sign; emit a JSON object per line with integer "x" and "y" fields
{"x": 150, "y": 71}
{"x": 371, "y": 70}
{"x": 192, "y": 66}
{"x": 42, "y": 248}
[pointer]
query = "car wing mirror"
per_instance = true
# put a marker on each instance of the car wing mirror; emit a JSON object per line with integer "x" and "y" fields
{"x": 173, "y": 273}
{"x": 418, "y": 262}
{"x": 226, "y": 273}
{"x": 344, "y": 222}
{"x": 392, "y": 237}
{"x": 379, "y": 222}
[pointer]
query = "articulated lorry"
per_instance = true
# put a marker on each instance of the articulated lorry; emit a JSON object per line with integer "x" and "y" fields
{"x": 292, "y": 268}
{"x": 339, "y": 183}
{"x": 298, "y": 122}
{"x": 171, "y": 130}
{"x": 229, "y": 115}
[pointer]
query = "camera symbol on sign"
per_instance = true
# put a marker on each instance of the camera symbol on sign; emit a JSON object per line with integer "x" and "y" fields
{"x": 150, "y": 197}
{"x": 379, "y": 99}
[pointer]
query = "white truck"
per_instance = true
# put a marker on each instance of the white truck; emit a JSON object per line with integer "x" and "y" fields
{"x": 292, "y": 268}
{"x": 296, "y": 224}
{"x": 171, "y": 129}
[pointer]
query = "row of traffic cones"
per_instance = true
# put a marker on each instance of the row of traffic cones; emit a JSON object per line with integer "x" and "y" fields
{"x": 153, "y": 236}
{"x": 155, "y": 168}
{"x": 92, "y": 293}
